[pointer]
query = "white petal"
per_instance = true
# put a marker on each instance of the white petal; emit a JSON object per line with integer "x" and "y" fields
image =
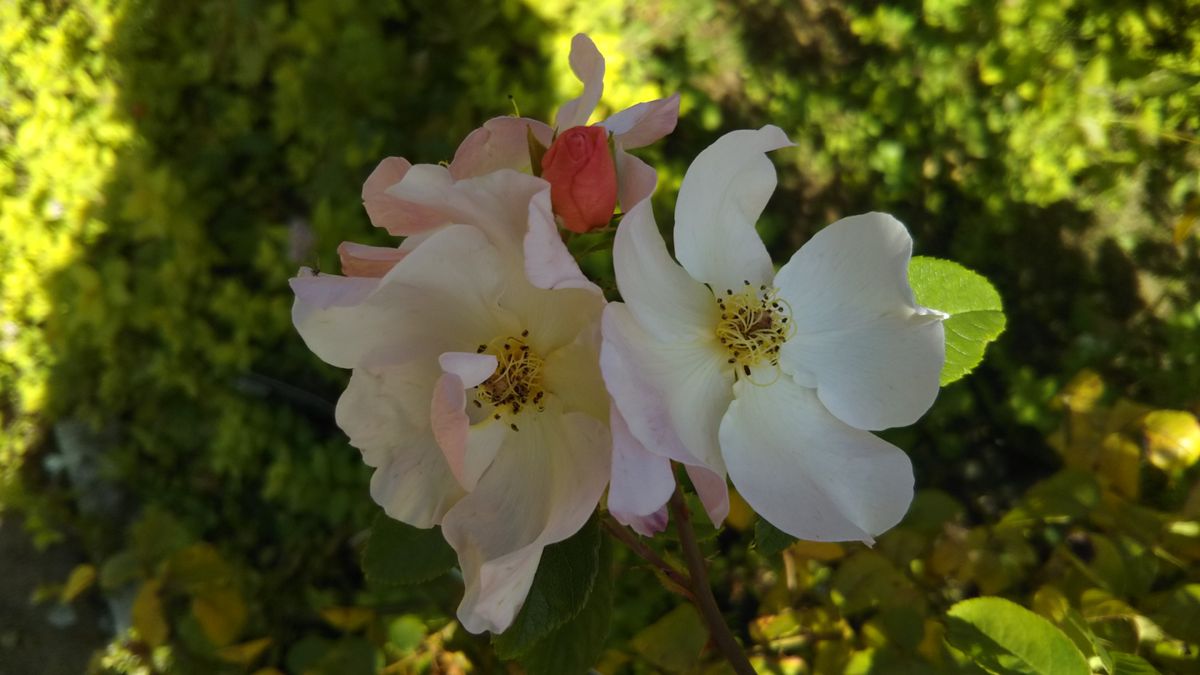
{"x": 667, "y": 302}
{"x": 501, "y": 143}
{"x": 644, "y": 123}
{"x": 873, "y": 353}
{"x": 808, "y": 473}
{"x": 642, "y": 482}
{"x": 548, "y": 263}
{"x": 722, "y": 195}
{"x": 544, "y": 483}
{"x": 672, "y": 395}
{"x": 470, "y": 367}
{"x": 588, "y": 66}
{"x": 385, "y": 412}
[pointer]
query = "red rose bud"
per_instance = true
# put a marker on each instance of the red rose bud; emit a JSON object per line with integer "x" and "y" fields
{"x": 582, "y": 177}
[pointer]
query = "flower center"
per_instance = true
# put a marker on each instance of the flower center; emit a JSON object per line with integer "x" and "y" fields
{"x": 517, "y": 382}
{"x": 755, "y": 322}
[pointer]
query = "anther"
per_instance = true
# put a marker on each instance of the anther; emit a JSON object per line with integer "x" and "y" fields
{"x": 746, "y": 369}
{"x": 481, "y": 349}
{"x": 514, "y": 427}
{"x": 525, "y": 333}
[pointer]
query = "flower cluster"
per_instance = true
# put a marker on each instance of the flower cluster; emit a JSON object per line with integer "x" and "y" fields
{"x": 497, "y": 394}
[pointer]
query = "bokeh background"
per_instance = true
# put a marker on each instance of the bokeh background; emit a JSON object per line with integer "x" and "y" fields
{"x": 176, "y": 498}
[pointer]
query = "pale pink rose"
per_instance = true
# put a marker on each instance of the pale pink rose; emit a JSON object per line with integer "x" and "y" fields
{"x": 476, "y": 397}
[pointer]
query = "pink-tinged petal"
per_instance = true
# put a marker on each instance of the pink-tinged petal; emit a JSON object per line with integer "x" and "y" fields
{"x": 541, "y": 488}
{"x": 385, "y": 412}
{"x": 650, "y": 525}
{"x": 548, "y": 263}
{"x": 713, "y": 492}
{"x": 667, "y": 302}
{"x": 394, "y": 214}
{"x": 501, "y": 143}
{"x": 360, "y": 260}
{"x": 469, "y": 449}
{"x": 326, "y": 314}
{"x": 672, "y": 395}
{"x": 636, "y": 180}
{"x": 429, "y": 302}
{"x": 722, "y": 195}
{"x": 448, "y": 418}
{"x": 644, "y": 123}
{"x": 588, "y": 65}
{"x": 874, "y": 355}
{"x": 497, "y": 203}
{"x": 470, "y": 367}
{"x": 807, "y": 472}
{"x": 641, "y": 484}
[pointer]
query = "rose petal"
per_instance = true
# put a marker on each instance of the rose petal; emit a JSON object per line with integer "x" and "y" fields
{"x": 636, "y": 181}
{"x": 644, "y": 123}
{"x": 667, "y": 302}
{"x": 805, "y": 471}
{"x": 548, "y": 263}
{"x": 561, "y": 465}
{"x": 874, "y": 355}
{"x": 392, "y": 213}
{"x": 722, "y": 195}
{"x": 588, "y": 65}
{"x": 672, "y": 395}
{"x": 501, "y": 143}
{"x": 360, "y": 260}
{"x": 642, "y": 482}
{"x": 385, "y": 412}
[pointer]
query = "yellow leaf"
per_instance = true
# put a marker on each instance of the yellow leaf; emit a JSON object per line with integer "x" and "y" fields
{"x": 1051, "y": 603}
{"x": 221, "y": 613}
{"x": 932, "y": 640}
{"x": 147, "y": 614}
{"x": 1120, "y": 465}
{"x": 347, "y": 618}
{"x": 823, "y": 551}
{"x": 245, "y": 653}
{"x": 1082, "y": 392}
{"x": 741, "y": 517}
{"x": 1172, "y": 439}
{"x": 80, "y": 579}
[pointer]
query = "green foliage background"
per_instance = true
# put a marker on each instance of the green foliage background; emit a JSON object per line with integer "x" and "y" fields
{"x": 166, "y": 166}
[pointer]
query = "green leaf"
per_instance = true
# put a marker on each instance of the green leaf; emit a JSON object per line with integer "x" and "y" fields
{"x": 560, "y": 590}
{"x": 1003, "y": 637}
{"x": 1129, "y": 664}
{"x": 976, "y": 312}
{"x": 576, "y": 646}
{"x": 399, "y": 554}
{"x": 770, "y": 540}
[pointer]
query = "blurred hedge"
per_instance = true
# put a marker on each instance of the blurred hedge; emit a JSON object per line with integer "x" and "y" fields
{"x": 166, "y": 166}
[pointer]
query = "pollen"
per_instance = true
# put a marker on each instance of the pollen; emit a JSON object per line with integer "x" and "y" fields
{"x": 517, "y": 383}
{"x": 754, "y": 325}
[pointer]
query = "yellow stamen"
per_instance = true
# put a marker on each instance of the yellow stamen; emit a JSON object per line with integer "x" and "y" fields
{"x": 517, "y": 382}
{"x": 754, "y": 324}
